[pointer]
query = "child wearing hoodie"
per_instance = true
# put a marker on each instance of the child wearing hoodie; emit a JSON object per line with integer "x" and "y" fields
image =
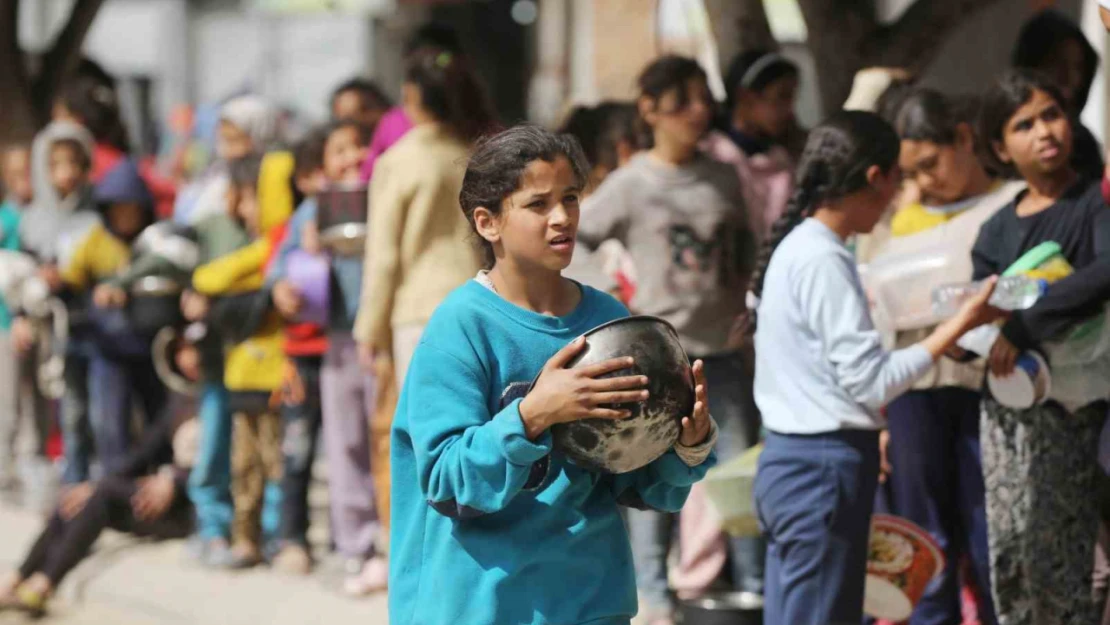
{"x": 120, "y": 357}
{"x": 263, "y": 196}
{"x": 60, "y": 217}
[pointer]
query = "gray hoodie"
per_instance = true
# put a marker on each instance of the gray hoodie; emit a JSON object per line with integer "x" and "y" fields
{"x": 52, "y": 225}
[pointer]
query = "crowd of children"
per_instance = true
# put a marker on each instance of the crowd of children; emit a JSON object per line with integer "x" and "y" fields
{"x": 389, "y": 288}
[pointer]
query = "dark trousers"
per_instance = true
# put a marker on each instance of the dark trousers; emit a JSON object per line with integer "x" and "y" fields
{"x": 814, "y": 495}
{"x": 936, "y": 481}
{"x": 114, "y": 384}
{"x": 77, "y": 440}
{"x": 63, "y": 544}
{"x": 301, "y": 429}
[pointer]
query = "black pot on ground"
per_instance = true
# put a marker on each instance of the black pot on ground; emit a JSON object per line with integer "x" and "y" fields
{"x": 655, "y": 424}
{"x": 718, "y": 608}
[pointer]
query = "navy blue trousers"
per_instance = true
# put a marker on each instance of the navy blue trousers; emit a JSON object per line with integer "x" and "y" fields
{"x": 936, "y": 481}
{"x": 814, "y": 495}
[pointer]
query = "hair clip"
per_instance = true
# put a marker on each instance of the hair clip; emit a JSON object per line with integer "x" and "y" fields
{"x": 443, "y": 59}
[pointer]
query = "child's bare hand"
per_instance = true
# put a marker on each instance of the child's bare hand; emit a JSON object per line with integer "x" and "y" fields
{"x": 562, "y": 395}
{"x": 310, "y": 238}
{"x": 51, "y": 276}
{"x": 286, "y": 299}
{"x": 696, "y": 427}
{"x": 194, "y": 306}
{"x": 109, "y": 296}
{"x": 1003, "y": 356}
{"x": 23, "y": 335}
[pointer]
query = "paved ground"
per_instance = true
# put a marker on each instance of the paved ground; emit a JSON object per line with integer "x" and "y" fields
{"x": 126, "y": 582}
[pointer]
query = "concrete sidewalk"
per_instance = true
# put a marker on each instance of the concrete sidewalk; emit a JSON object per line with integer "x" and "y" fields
{"x": 128, "y": 582}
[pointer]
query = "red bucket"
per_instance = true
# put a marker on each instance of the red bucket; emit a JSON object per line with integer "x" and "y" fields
{"x": 902, "y": 559}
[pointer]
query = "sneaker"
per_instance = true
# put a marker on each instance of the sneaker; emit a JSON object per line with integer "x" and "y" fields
{"x": 373, "y": 577}
{"x": 218, "y": 555}
{"x": 293, "y": 559}
{"x": 245, "y": 556}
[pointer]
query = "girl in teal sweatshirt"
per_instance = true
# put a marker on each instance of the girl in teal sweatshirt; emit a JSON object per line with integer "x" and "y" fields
{"x": 490, "y": 525}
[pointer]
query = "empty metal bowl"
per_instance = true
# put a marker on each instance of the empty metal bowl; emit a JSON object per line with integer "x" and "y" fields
{"x": 347, "y": 239}
{"x": 625, "y": 445}
{"x": 720, "y": 608}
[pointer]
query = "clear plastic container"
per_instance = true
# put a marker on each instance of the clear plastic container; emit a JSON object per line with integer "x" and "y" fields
{"x": 1011, "y": 293}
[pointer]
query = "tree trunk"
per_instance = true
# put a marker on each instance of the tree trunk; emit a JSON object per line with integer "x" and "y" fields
{"x": 846, "y": 37}
{"x": 16, "y": 109}
{"x": 25, "y": 101}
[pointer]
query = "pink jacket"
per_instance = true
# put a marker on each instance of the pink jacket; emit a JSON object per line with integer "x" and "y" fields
{"x": 767, "y": 180}
{"x": 391, "y": 127}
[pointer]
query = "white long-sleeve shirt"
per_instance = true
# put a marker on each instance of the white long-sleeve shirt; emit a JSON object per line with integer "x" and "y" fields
{"x": 820, "y": 364}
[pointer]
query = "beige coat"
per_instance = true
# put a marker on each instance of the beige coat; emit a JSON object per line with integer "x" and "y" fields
{"x": 419, "y": 246}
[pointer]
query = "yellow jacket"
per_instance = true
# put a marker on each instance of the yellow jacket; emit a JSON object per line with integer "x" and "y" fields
{"x": 419, "y": 245}
{"x": 99, "y": 256}
{"x": 258, "y": 363}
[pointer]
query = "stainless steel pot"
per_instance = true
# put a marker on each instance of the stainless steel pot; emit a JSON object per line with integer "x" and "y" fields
{"x": 347, "y": 239}
{"x": 628, "y": 444}
{"x": 155, "y": 304}
{"x": 720, "y": 608}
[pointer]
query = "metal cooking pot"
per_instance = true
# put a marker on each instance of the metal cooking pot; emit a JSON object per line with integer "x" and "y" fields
{"x": 341, "y": 212}
{"x": 719, "y": 608}
{"x": 347, "y": 239}
{"x": 654, "y": 427}
{"x": 155, "y": 304}
{"x": 162, "y": 352}
{"x": 173, "y": 242}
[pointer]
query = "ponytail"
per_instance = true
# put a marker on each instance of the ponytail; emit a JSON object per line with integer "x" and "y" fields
{"x": 834, "y": 164}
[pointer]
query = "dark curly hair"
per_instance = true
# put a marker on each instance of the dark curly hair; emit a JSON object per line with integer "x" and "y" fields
{"x": 495, "y": 168}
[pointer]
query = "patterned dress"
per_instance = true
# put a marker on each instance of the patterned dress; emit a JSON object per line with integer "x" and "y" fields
{"x": 1041, "y": 472}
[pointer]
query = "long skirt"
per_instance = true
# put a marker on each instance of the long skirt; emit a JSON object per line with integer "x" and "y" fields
{"x": 1041, "y": 472}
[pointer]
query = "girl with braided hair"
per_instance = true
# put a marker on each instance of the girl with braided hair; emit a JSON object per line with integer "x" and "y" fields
{"x": 822, "y": 375}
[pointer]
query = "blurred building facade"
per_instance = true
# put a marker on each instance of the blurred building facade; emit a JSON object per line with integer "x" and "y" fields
{"x": 538, "y": 56}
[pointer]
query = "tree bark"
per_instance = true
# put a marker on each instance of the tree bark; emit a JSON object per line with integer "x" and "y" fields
{"x": 64, "y": 54}
{"x": 846, "y": 37}
{"x": 25, "y": 100}
{"x": 16, "y": 109}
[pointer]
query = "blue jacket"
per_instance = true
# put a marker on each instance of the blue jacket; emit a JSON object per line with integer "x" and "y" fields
{"x": 488, "y": 526}
{"x": 346, "y": 271}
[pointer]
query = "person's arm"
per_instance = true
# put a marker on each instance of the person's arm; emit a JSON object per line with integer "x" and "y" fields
{"x": 234, "y": 271}
{"x": 835, "y": 308}
{"x": 1068, "y": 301}
{"x": 292, "y": 241}
{"x": 76, "y": 271}
{"x": 389, "y": 198}
{"x": 154, "y": 447}
{"x": 469, "y": 462}
{"x": 143, "y": 266}
{"x": 604, "y": 214}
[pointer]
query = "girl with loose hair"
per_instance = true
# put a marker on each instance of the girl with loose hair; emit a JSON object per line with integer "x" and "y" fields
{"x": 822, "y": 375}
{"x": 1040, "y": 464}
{"x": 490, "y": 523}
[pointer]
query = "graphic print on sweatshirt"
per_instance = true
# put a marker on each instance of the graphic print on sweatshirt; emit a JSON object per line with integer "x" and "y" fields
{"x": 701, "y": 263}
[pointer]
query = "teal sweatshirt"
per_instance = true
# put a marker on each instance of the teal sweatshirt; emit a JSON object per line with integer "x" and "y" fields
{"x": 487, "y": 526}
{"x": 9, "y": 240}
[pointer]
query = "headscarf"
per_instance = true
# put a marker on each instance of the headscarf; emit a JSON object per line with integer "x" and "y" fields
{"x": 255, "y": 116}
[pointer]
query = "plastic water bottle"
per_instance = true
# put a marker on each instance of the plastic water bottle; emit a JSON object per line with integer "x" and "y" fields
{"x": 1011, "y": 293}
